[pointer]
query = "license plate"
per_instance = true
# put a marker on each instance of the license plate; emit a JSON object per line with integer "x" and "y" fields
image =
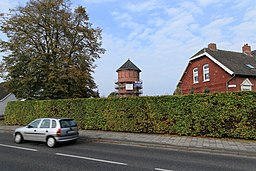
{"x": 71, "y": 132}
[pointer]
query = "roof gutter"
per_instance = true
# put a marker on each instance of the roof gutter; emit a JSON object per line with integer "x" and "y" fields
{"x": 229, "y": 81}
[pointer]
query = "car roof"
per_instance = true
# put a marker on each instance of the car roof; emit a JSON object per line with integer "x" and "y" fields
{"x": 57, "y": 118}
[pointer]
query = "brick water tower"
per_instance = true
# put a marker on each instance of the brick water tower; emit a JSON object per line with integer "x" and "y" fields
{"x": 129, "y": 83}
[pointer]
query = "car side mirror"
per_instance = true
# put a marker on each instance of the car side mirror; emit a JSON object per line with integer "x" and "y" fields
{"x": 29, "y": 126}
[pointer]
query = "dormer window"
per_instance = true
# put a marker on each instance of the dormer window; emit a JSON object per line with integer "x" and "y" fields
{"x": 195, "y": 75}
{"x": 250, "y": 66}
{"x": 206, "y": 72}
{"x": 246, "y": 85}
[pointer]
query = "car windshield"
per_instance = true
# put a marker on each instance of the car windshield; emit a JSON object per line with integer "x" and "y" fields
{"x": 34, "y": 124}
{"x": 67, "y": 123}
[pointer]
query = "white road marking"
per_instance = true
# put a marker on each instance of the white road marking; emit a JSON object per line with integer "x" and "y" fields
{"x": 159, "y": 169}
{"x": 92, "y": 159}
{"x": 16, "y": 147}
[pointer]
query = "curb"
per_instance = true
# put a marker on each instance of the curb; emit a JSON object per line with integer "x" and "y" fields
{"x": 225, "y": 152}
{"x": 6, "y": 131}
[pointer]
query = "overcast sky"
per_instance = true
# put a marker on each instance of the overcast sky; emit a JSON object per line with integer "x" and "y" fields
{"x": 159, "y": 36}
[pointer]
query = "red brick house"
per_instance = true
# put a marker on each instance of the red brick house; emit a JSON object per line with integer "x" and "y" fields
{"x": 214, "y": 70}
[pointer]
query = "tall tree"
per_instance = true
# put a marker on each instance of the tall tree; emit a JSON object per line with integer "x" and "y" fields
{"x": 50, "y": 51}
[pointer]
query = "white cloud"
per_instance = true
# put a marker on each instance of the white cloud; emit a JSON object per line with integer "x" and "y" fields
{"x": 121, "y": 16}
{"x": 191, "y": 7}
{"x": 250, "y": 15}
{"x": 245, "y": 32}
{"x": 125, "y": 20}
{"x": 216, "y": 30}
{"x": 144, "y": 6}
{"x": 6, "y": 5}
{"x": 156, "y": 21}
{"x": 99, "y": 1}
{"x": 238, "y": 4}
{"x": 205, "y": 3}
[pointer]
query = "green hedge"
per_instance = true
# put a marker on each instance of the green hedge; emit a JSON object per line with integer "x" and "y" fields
{"x": 215, "y": 115}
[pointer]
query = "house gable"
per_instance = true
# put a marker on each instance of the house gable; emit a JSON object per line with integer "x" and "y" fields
{"x": 5, "y": 97}
{"x": 217, "y": 77}
{"x": 205, "y": 54}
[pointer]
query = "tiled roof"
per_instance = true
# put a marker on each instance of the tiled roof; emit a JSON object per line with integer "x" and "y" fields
{"x": 128, "y": 65}
{"x": 235, "y": 61}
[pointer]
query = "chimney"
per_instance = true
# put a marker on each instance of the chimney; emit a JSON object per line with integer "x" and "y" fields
{"x": 212, "y": 46}
{"x": 247, "y": 49}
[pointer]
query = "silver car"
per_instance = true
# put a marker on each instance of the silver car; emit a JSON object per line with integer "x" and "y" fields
{"x": 49, "y": 130}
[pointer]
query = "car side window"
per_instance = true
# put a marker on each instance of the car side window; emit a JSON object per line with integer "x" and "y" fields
{"x": 45, "y": 123}
{"x": 54, "y": 124}
{"x": 34, "y": 124}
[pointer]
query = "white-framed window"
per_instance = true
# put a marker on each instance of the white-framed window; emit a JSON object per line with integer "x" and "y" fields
{"x": 206, "y": 72}
{"x": 246, "y": 85}
{"x": 246, "y": 88}
{"x": 195, "y": 75}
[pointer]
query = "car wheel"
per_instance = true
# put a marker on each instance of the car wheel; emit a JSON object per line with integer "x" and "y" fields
{"x": 73, "y": 141}
{"x": 18, "y": 138}
{"x": 51, "y": 142}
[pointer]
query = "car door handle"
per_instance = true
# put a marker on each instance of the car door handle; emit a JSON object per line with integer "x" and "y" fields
{"x": 34, "y": 130}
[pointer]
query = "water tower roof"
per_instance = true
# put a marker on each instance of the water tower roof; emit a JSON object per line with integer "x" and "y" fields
{"x": 128, "y": 65}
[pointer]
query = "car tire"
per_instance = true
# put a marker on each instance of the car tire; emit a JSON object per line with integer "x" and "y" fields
{"x": 18, "y": 138}
{"x": 73, "y": 141}
{"x": 51, "y": 142}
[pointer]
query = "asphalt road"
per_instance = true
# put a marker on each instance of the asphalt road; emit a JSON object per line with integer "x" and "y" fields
{"x": 85, "y": 155}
